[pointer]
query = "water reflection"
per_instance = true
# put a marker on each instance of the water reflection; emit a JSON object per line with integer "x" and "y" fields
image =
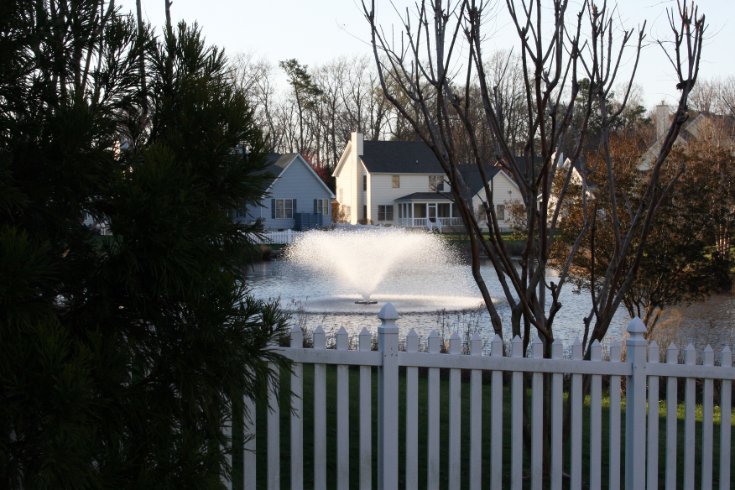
{"x": 302, "y": 292}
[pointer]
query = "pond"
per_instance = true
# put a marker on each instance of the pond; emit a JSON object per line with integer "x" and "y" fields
{"x": 324, "y": 275}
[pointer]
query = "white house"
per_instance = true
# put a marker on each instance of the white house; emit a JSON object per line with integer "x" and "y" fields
{"x": 295, "y": 199}
{"x": 717, "y": 129}
{"x": 401, "y": 183}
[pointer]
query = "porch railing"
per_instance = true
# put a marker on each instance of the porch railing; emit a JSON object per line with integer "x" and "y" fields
{"x": 428, "y": 223}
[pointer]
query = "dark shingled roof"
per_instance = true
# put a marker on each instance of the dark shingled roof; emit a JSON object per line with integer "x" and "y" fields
{"x": 426, "y": 196}
{"x": 473, "y": 178}
{"x": 275, "y": 163}
{"x": 400, "y": 157}
{"x": 406, "y": 157}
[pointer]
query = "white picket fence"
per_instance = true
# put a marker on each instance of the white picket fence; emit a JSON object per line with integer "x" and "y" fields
{"x": 642, "y": 372}
{"x": 283, "y": 237}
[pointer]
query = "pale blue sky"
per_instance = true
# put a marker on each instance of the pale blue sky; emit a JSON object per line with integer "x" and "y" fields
{"x": 317, "y": 31}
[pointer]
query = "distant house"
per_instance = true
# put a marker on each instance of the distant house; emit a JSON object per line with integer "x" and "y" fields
{"x": 295, "y": 199}
{"x": 717, "y": 129}
{"x": 401, "y": 183}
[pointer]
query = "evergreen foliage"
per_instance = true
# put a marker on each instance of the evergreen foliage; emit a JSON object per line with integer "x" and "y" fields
{"x": 121, "y": 356}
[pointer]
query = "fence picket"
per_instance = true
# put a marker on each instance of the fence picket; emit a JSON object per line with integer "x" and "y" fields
{"x": 614, "y": 463}
{"x": 516, "y": 413}
{"x": 455, "y": 416}
{"x": 249, "y": 460}
{"x": 496, "y": 419}
{"x": 432, "y": 461}
{"x": 725, "y": 422}
{"x": 297, "y": 414}
{"x": 475, "y": 419}
{"x": 652, "y": 456}
{"x": 576, "y": 399}
{"x": 343, "y": 418}
{"x": 708, "y": 359}
{"x": 557, "y": 419}
{"x": 690, "y": 358}
{"x": 366, "y": 429}
{"x": 320, "y": 415}
{"x": 274, "y": 431}
{"x": 672, "y": 357}
{"x": 596, "y": 420}
{"x": 537, "y": 420}
{"x": 412, "y": 415}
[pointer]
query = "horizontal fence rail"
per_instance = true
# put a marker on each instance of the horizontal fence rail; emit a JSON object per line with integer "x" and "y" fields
{"x": 453, "y": 417}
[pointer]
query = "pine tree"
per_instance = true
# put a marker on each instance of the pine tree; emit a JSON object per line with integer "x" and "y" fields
{"x": 121, "y": 356}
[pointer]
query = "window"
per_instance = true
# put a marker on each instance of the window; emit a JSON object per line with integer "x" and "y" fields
{"x": 364, "y": 182}
{"x": 321, "y": 206}
{"x": 396, "y": 181}
{"x": 283, "y": 208}
{"x": 436, "y": 183}
{"x": 500, "y": 211}
{"x": 385, "y": 212}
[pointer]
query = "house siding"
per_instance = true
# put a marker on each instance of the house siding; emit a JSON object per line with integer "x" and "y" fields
{"x": 383, "y": 193}
{"x": 296, "y": 182}
{"x": 505, "y": 192}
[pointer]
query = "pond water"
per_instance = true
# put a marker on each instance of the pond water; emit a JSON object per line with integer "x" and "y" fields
{"x": 326, "y": 273}
{"x": 314, "y": 300}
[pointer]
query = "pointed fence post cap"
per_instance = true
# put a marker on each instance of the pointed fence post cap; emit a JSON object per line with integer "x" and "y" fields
{"x": 636, "y": 328}
{"x": 388, "y": 312}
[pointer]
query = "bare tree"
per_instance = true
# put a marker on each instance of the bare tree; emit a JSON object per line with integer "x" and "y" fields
{"x": 716, "y": 96}
{"x": 255, "y": 78}
{"x": 366, "y": 109}
{"x": 427, "y": 75}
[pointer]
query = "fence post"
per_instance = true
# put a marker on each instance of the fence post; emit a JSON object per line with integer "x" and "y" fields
{"x": 388, "y": 399}
{"x": 635, "y": 407}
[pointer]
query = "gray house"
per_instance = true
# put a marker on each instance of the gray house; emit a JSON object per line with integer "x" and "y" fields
{"x": 296, "y": 198}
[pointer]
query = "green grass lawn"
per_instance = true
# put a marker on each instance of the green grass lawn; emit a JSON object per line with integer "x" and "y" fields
{"x": 486, "y": 465}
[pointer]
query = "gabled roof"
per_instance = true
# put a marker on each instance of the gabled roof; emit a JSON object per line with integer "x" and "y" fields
{"x": 473, "y": 178}
{"x": 277, "y": 164}
{"x": 691, "y": 131}
{"x": 400, "y": 157}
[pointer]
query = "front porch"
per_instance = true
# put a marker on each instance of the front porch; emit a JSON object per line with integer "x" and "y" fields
{"x": 428, "y": 210}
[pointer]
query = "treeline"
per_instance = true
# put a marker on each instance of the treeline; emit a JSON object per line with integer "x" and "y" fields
{"x": 320, "y": 106}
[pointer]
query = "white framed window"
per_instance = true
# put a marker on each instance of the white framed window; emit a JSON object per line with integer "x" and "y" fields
{"x": 385, "y": 212}
{"x": 321, "y": 206}
{"x": 500, "y": 211}
{"x": 396, "y": 181}
{"x": 283, "y": 208}
{"x": 436, "y": 183}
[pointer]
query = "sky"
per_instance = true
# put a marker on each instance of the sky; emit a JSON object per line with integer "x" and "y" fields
{"x": 319, "y": 31}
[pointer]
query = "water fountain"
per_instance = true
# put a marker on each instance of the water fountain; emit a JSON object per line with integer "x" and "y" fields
{"x": 341, "y": 278}
{"x": 358, "y": 269}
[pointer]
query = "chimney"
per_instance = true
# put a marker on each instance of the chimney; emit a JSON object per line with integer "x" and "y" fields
{"x": 357, "y": 195}
{"x": 662, "y": 120}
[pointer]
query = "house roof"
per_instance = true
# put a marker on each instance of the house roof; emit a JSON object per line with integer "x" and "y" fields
{"x": 276, "y": 164}
{"x": 426, "y": 196}
{"x": 473, "y": 178}
{"x": 400, "y": 157}
{"x": 691, "y": 131}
